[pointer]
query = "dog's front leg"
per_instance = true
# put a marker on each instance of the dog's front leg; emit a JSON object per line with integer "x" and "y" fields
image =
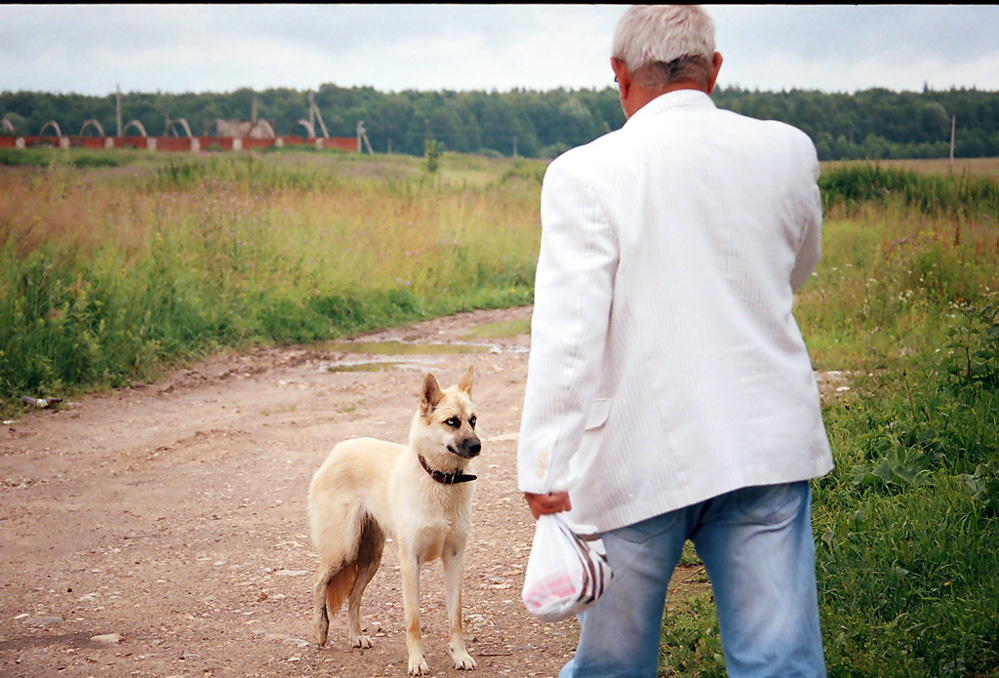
{"x": 410, "y": 567}
{"x": 454, "y": 565}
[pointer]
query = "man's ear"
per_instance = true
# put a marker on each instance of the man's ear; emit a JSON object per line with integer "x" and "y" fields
{"x": 621, "y": 76}
{"x": 716, "y": 62}
{"x": 432, "y": 394}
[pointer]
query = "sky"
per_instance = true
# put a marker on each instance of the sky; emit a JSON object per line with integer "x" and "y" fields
{"x": 92, "y": 49}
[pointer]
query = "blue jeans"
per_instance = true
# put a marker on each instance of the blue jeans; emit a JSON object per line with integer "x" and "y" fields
{"x": 757, "y": 546}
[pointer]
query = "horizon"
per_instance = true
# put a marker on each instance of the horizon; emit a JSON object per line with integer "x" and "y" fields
{"x": 733, "y": 86}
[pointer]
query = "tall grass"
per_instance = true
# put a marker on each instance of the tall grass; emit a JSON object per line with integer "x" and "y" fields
{"x": 105, "y": 278}
{"x": 930, "y": 193}
{"x": 77, "y": 157}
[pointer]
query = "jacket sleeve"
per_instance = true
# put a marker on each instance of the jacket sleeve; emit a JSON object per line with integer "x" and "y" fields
{"x": 572, "y": 301}
{"x": 810, "y": 210}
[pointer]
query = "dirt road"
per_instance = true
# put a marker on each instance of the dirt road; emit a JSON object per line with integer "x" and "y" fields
{"x": 161, "y": 530}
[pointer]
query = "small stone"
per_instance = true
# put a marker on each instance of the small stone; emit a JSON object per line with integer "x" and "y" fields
{"x": 291, "y": 573}
{"x": 44, "y": 621}
{"x": 107, "y": 638}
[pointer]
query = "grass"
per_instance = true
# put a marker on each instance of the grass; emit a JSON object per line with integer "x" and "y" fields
{"x": 110, "y": 273}
{"x": 985, "y": 167}
{"x": 962, "y": 194}
{"x": 76, "y": 157}
{"x": 107, "y": 277}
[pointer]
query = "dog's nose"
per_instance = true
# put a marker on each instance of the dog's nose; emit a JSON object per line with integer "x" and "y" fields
{"x": 473, "y": 447}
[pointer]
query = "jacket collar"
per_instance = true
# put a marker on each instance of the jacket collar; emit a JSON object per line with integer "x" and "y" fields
{"x": 681, "y": 98}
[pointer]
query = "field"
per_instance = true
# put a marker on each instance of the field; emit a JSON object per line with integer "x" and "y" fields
{"x": 109, "y": 273}
{"x": 983, "y": 167}
{"x": 116, "y": 269}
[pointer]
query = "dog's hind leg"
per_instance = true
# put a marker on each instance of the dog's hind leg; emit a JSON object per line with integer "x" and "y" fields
{"x": 333, "y": 584}
{"x": 369, "y": 557}
{"x": 453, "y": 571}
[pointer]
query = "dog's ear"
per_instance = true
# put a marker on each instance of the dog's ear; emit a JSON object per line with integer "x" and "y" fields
{"x": 432, "y": 394}
{"x": 466, "y": 382}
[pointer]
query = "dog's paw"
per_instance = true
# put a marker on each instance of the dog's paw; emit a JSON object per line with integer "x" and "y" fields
{"x": 363, "y": 642}
{"x": 418, "y": 666}
{"x": 463, "y": 661}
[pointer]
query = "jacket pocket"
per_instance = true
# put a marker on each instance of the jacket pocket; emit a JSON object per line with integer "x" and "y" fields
{"x": 597, "y": 414}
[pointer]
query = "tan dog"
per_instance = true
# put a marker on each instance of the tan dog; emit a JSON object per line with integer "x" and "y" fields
{"x": 417, "y": 494}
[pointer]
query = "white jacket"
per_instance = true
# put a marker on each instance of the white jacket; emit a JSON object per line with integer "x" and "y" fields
{"x": 666, "y": 367}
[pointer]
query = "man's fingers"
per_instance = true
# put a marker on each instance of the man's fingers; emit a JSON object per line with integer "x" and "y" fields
{"x": 553, "y": 502}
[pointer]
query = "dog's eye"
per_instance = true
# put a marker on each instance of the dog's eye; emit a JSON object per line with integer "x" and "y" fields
{"x": 453, "y": 422}
{"x": 471, "y": 421}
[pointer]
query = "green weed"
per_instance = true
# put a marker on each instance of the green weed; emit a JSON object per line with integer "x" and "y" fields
{"x": 974, "y": 345}
{"x": 691, "y": 644}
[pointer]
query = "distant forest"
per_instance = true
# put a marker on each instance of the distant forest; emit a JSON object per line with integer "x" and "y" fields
{"x": 869, "y": 124}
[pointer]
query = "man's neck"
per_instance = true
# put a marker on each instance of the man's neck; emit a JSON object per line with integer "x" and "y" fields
{"x": 640, "y": 96}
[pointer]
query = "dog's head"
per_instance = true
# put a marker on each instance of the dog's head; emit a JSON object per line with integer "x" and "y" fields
{"x": 450, "y": 416}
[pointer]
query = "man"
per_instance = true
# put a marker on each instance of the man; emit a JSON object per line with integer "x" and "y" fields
{"x": 670, "y": 395}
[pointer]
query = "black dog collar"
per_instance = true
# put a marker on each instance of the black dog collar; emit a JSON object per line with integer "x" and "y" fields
{"x": 445, "y": 478}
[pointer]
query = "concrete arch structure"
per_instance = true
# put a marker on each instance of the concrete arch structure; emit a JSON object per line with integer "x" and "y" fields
{"x": 262, "y": 126}
{"x": 55, "y": 126}
{"x": 226, "y": 128}
{"x": 215, "y": 128}
{"x": 138, "y": 125}
{"x": 173, "y": 122}
{"x": 96, "y": 125}
{"x": 308, "y": 128}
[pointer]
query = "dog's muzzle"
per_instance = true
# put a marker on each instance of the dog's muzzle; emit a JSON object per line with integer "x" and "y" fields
{"x": 467, "y": 448}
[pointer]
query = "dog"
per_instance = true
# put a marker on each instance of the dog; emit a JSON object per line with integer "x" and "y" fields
{"x": 419, "y": 495}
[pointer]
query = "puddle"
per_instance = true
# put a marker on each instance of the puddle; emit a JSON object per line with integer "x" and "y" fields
{"x": 364, "y": 367}
{"x": 414, "y": 354}
{"x": 500, "y": 330}
{"x": 404, "y": 348}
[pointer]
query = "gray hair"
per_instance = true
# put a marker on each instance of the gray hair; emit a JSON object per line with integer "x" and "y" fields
{"x": 663, "y": 44}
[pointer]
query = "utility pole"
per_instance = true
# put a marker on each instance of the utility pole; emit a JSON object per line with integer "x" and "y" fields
{"x": 118, "y": 106}
{"x": 953, "y": 125}
{"x": 314, "y": 114}
{"x": 362, "y": 136}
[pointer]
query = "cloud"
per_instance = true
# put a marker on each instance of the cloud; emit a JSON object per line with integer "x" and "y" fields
{"x": 181, "y": 48}
{"x": 851, "y": 47}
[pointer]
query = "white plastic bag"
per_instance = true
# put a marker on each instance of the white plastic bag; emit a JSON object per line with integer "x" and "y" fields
{"x": 567, "y": 569}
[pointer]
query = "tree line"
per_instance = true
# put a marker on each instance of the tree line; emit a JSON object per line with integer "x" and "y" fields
{"x": 868, "y": 124}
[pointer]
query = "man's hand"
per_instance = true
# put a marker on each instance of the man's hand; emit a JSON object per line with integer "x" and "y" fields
{"x": 553, "y": 502}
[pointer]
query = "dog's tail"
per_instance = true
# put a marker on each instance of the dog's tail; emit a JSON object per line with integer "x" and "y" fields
{"x": 333, "y": 584}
